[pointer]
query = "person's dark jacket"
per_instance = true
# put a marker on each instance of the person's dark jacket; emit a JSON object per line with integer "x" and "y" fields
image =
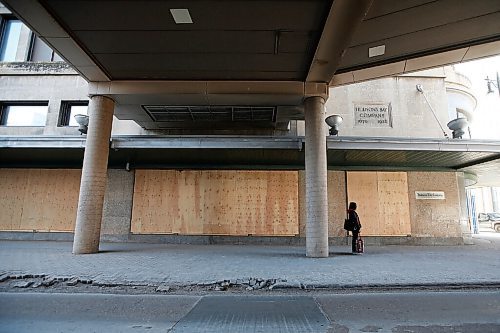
{"x": 354, "y": 219}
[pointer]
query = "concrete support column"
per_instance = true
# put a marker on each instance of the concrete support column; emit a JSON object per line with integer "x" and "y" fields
{"x": 316, "y": 179}
{"x": 494, "y": 198}
{"x": 94, "y": 176}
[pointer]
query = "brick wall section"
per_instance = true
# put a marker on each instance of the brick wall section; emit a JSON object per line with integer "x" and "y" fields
{"x": 302, "y": 203}
{"x": 117, "y": 210}
{"x": 465, "y": 224}
{"x": 434, "y": 218}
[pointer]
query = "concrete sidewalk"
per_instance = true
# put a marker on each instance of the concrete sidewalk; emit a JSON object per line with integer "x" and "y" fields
{"x": 182, "y": 265}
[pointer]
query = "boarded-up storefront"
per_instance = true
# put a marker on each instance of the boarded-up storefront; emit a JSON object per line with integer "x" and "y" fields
{"x": 232, "y": 202}
{"x": 215, "y": 202}
{"x": 382, "y": 199}
{"x": 38, "y": 199}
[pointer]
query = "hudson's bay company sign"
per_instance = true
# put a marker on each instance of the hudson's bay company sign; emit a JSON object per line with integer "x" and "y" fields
{"x": 372, "y": 115}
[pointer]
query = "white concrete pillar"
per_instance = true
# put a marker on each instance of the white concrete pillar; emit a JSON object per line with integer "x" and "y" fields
{"x": 94, "y": 176}
{"x": 316, "y": 179}
{"x": 494, "y": 198}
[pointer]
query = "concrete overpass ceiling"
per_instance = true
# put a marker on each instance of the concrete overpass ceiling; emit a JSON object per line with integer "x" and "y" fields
{"x": 227, "y": 40}
{"x": 415, "y": 27}
{"x": 253, "y": 53}
{"x": 240, "y": 40}
{"x": 397, "y": 37}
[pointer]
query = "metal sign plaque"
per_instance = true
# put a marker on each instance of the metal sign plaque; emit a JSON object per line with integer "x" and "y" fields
{"x": 372, "y": 115}
{"x": 429, "y": 195}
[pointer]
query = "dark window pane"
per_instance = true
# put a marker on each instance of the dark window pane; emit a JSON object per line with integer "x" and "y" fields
{"x": 68, "y": 111}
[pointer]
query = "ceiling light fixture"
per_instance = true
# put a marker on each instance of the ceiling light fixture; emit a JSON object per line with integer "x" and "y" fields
{"x": 376, "y": 51}
{"x": 181, "y": 16}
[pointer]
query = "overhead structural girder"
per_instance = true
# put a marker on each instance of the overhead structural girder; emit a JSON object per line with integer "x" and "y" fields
{"x": 343, "y": 19}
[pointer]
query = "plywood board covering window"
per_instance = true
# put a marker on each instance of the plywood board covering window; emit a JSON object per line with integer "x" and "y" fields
{"x": 38, "y": 199}
{"x": 215, "y": 202}
{"x": 382, "y": 199}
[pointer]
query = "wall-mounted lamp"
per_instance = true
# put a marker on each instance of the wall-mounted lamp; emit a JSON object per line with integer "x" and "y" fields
{"x": 334, "y": 122}
{"x": 470, "y": 179}
{"x": 83, "y": 122}
{"x": 458, "y": 127}
{"x": 491, "y": 83}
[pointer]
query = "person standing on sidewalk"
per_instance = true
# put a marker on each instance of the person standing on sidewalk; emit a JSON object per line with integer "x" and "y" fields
{"x": 354, "y": 221}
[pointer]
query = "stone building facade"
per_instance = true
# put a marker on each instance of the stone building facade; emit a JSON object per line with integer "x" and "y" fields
{"x": 203, "y": 199}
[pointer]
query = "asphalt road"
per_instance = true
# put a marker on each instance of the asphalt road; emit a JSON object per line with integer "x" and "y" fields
{"x": 436, "y": 312}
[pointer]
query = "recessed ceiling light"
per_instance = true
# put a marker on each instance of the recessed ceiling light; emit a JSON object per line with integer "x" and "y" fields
{"x": 181, "y": 16}
{"x": 376, "y": 51}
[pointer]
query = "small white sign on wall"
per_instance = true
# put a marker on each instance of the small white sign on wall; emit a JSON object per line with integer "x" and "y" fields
{"x": 429, "y": 195}
{"x": 372, "y": 115}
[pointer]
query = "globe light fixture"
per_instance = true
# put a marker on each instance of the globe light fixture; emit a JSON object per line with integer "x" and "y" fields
{"x": 334, "y": 122}
{"x": 83, "y": 123}
{"x": 458, "y": 127}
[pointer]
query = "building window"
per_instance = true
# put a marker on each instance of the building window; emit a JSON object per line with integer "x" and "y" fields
{"x": 23, "y": 114}
{"x": 68, "y": 111}
{"x": 41, "y": 52}
{"x": 10, "y": 32}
